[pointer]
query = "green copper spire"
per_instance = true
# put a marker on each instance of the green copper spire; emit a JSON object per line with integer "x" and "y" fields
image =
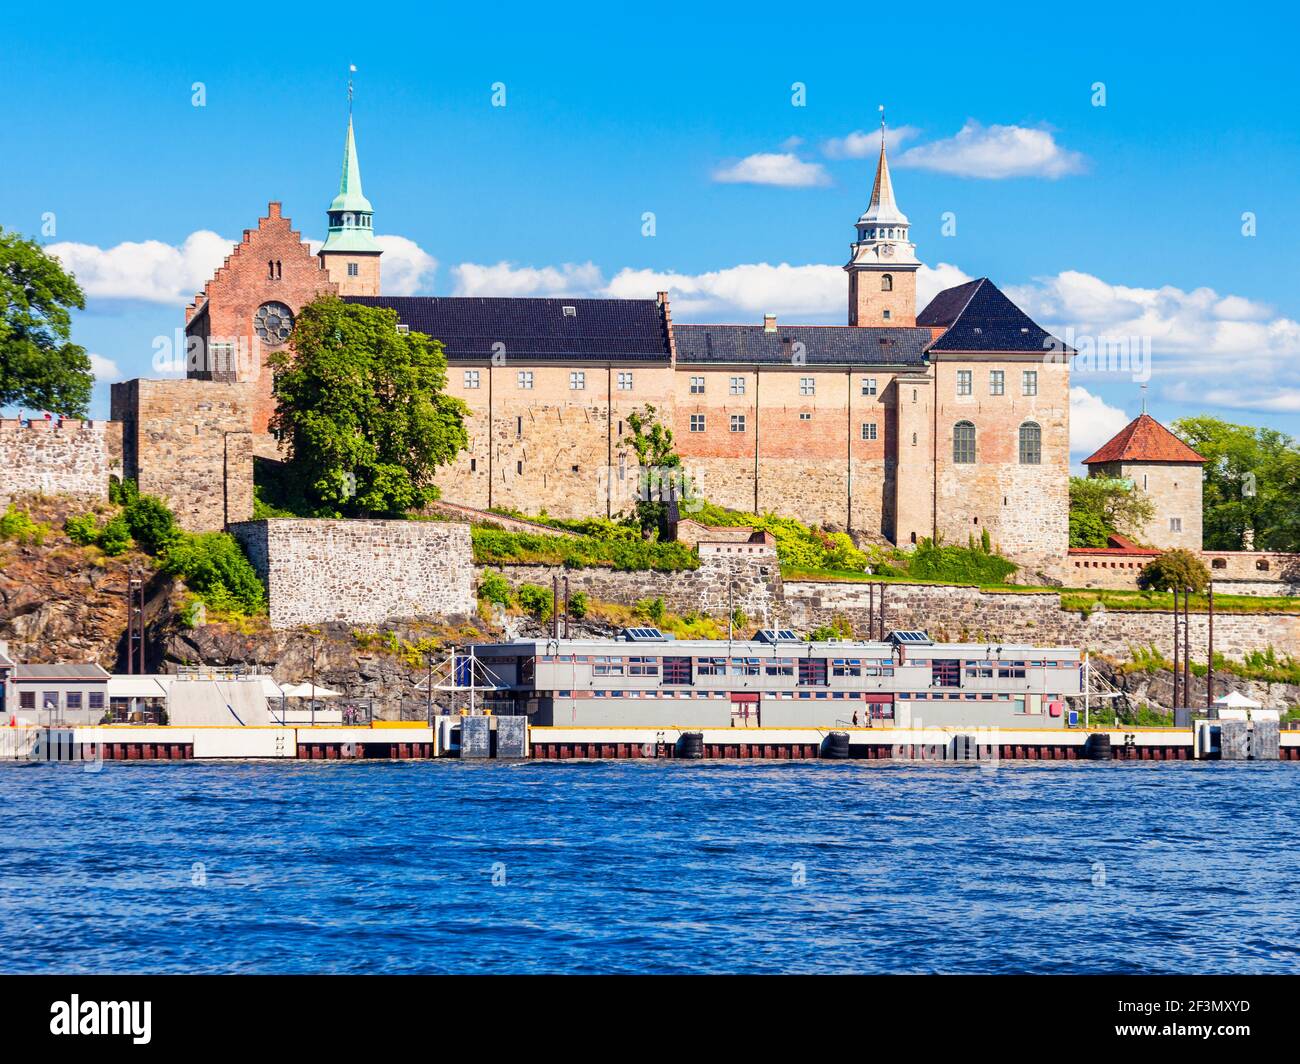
{"x": 351, "y": 218}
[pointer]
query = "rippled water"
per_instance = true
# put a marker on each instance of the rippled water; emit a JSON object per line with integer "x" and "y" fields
{"x": 649, "y": 867}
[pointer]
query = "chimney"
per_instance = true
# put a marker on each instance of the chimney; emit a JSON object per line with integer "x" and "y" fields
{"x": 661, "y": 298}
{"x": 769, "y": 323}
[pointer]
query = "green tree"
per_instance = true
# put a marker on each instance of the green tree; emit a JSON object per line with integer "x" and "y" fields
{"x": 363, "y": 409}
{"x": 1101, "y": 507}
{"x": 1252, "y": 482}
{"x": 661, "y": 474}
{"x": 1176, "y": 568}
{"x": 40, "y": 366}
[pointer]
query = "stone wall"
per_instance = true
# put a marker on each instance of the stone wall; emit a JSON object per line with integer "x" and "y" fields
{"x": 751, "y": 570}
{"x": 363, "y": 572}
{"x": 59, "y": 458}
{"x": 967, "y": 613}
{"x": 188, "y": 442}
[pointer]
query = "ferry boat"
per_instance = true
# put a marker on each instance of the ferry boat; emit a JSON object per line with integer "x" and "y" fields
{"x": 646, "y": 678}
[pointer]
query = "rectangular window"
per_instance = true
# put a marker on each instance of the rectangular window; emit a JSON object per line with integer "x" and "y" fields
{"x": 697, "y": 422}
{"x": 945, "y": 673}
{"x": 737, "y": 386}
{"x": 846, "y": 667}
{"x": 737, "y": 422}
{"x": 607, "y": 666}
{"x": 677, "y": 670}
{"x": 711, "y": 667}
{"x": 49, "y": 699}
{"x": 804, "y": 415}
{"x": 807, "y": 386}
{"x": 352, "y": 269}
{"x": 997, "y": 382}
{"x": 95, "y": 700}
{"x": 577, "y": 380}
{"x": 471, "y": 378}
{"x": 26, "y": 699}
{"x": 525, "y": 378}
{"x": 745, "y": 666}
{"x": 963, "y": 382}
{"x": 1029, "y": 382}
{"x": 697, "y": 385}
{"x": 625, "y": 381}
{"x": 74, "y": 699}
{"x": 868, "y": 430}
{"x": 1175, "y": 524}
{"x": 812, "y": 672}
{"x": 642, "y": 666}
{"x": 780, "y": 667}
{"x": 868, "y": 385}
{"x": 519, "y": 467}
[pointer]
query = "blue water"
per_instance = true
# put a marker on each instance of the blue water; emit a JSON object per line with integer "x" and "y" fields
{"x": 649, "y": 867}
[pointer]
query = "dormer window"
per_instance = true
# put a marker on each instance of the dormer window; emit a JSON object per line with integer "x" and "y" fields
{"x": 570, "y": 312}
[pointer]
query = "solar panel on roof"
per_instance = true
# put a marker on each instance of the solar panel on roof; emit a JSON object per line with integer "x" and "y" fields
{"x": 914, "y": 638}
{"x": 643, "y": 635}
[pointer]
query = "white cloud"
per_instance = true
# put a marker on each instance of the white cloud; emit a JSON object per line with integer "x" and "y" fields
{"x": 995, "y": 152}
{"x": 1205, "y": 349}
{"x": 863, "y": 145}
{"x": 104, "y": 369}
{"x": 156, "y": 272}
{"x": 1093, "y": 421}
{"x": 784, "y": 169}
{"x": 148, "y": 270}
{"x": 507, "y": 279}
{"x": 744, "y": 292}
{"x": 407, "y": 268}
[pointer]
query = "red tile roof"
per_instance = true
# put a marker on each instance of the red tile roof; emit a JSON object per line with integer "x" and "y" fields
{"x": 1144, "y": 439}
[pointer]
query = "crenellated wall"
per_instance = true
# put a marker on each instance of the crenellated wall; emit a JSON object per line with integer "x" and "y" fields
{"x": 66, "y": 457}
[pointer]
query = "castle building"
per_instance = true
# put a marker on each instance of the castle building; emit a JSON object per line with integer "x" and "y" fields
{"x": 1163, "y": 468}
{"x": 952, "y": 422}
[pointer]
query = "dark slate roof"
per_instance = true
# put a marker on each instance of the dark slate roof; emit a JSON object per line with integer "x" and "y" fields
{"x": 838, "y": 345}
{"x": 976, "y": 316}
{"x": 535, "y": 330}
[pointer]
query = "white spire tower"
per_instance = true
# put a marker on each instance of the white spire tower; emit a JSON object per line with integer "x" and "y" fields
{"x": 882, "y": 261}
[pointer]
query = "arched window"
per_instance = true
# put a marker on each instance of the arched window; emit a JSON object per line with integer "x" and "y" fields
{"x": 1031, "y": 444}
{"x": 963, "y": 443}
{"x": 887, "y": 283}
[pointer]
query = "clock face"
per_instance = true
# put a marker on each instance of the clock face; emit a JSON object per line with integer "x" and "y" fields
{"x": 886, "y": 250}
{"x": 273, "y": 322}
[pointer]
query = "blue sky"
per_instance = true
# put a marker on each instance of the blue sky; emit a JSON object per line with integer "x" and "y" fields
{"x": 1114, "y": 221}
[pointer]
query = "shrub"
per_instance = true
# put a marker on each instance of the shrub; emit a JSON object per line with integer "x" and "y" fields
{"x": 578, "y": 605}
{"x": 151, "y": 523}
{"x": 115, "y": 537}
{"x": 1177, "y": 568}
{"x": 83, "y": 530}
{"x": 958, "y": 565}
{"x": 536, "y": 600}
{"x": 652, "y": 609}
{"x": 495, "y": 546}
{"x": 495, "y": 588}
{"x": 18, "y": 525}
{"x": 214, "y": 568}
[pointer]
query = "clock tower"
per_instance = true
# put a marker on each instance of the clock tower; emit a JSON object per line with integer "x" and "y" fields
{"x": 882, "y": 265}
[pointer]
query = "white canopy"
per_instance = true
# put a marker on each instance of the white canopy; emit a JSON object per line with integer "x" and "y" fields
{"x": 306, "y": 690}
{"x": 136, "y": 687}
{"x": 1236, "y": 700}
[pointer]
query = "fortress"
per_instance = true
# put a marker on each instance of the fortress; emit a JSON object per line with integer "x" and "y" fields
{"x": 899, "y": 425}
{"x": 949, "y": 422}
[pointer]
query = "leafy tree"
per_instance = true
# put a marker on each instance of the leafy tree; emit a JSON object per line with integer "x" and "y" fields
{"x": 1101, "y": 507}
{"x": 578, "y": 605}
{"x": 39, "y": 365}
{"x": 363, "y": 409}
{"x": 1252, "y": 482}
{"x": 214, "y": 567}
{"x": 1176, "y": 568}
{"x": 661, "y": 472}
